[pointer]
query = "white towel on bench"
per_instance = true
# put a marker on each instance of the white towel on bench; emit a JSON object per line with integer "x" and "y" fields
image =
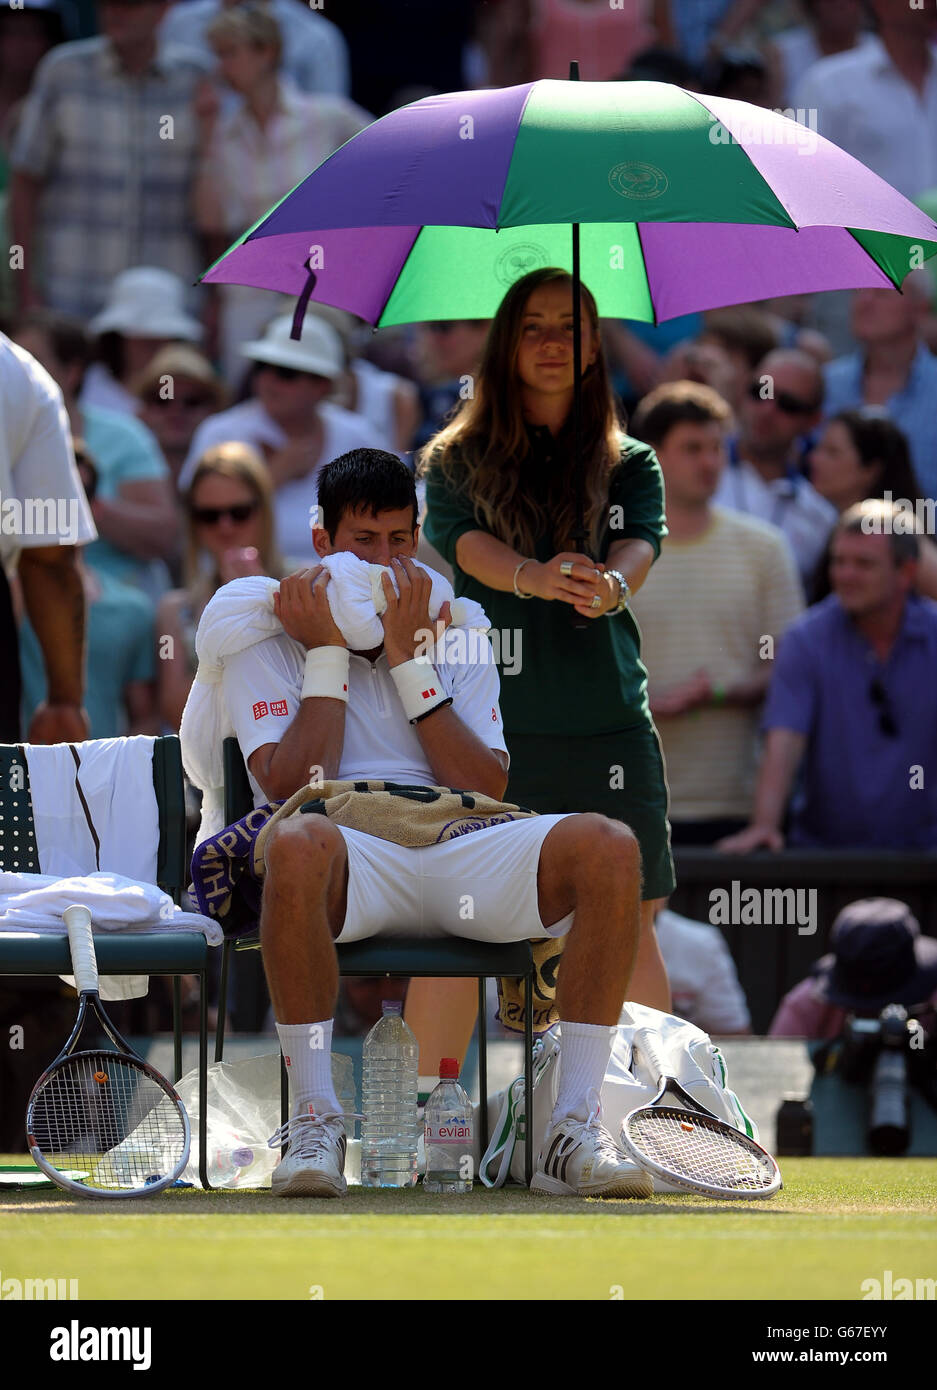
{"x": 35, "y": 903}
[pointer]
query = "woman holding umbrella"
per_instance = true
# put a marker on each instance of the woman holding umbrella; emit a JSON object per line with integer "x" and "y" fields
{"x": 500, "y": 489}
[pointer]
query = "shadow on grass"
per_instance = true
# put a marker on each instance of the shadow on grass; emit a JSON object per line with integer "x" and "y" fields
{"x": 372, "y": 1202}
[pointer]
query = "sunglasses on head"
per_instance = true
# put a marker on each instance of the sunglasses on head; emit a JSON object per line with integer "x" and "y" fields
{"x": 210, "y": 516}
{"x": 886, "y": 719}
{"x": 791, "y": 405}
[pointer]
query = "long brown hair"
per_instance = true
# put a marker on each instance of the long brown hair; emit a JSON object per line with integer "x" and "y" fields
{"x": 485, "y": 450}
{"x": 242, "y": 464}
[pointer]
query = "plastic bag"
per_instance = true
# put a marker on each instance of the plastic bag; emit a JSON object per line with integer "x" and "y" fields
{"x": 243, "y": 1112}
{"x": 689, "y": 1052}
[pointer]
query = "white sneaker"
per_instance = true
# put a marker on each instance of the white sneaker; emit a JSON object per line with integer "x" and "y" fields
{"x": 580, "y": 1158}
{"x": 314, "y": 1165}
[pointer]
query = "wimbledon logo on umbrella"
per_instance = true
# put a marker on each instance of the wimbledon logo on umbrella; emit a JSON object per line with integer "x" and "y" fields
{"x": 519, "y": 260}
{"x": 637, "y": 180}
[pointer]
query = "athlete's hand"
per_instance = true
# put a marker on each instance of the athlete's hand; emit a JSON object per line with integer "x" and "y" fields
{"x": 302, "y": 605}
{"x": 408, "y": 629}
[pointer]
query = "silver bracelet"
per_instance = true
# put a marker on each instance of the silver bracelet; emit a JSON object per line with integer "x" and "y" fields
{"x": 517, "y": 591}
{"x": 624, "y": 592}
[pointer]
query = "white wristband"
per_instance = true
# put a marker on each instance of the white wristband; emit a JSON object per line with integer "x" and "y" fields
{"x": 419, "y": 688}
{"x": 326, "y": 674}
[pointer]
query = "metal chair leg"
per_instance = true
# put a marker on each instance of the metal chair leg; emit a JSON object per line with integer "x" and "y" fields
{"x": 226, "y": 950}
{"x": 483, "y": 1061}
{"x": 528, "y": 1080}
{"x": 177, "y": 1027}
{"x": 203, "y": 1083}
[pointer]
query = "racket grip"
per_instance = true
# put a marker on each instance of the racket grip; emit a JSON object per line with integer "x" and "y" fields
{"x": 644, "y": 1041}
{"x": 81, "y": 943}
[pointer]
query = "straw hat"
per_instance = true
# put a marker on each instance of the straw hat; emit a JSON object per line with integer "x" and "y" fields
{"x": 178, "y": 360}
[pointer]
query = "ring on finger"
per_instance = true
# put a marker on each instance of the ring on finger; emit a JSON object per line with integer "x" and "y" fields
{"x": 566, "y": 568}
{"x": 596, "y": 601}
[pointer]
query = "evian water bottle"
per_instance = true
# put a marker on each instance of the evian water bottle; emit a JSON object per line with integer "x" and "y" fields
{"x": 447, "y": 1121}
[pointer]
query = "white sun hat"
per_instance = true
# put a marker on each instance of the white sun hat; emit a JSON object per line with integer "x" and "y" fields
{"x": 319, "y": 351}
{"x": 147, "y": 302}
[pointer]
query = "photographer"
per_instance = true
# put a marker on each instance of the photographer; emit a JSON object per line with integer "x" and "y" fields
{"x": 879, "y": 957}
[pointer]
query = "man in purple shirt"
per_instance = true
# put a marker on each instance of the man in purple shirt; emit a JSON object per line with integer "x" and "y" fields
{"x": 853, "y": 689}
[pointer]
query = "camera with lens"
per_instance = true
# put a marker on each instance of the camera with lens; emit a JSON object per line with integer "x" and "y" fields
{"x": 875, "y": 1053}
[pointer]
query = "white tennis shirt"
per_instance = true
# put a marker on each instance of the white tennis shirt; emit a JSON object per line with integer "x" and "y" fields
{"x": 262, "y": 688}
{"x": 45, "y": 503}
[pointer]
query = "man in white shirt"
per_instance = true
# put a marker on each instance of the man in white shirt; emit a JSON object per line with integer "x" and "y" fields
{"x": 303, "y": 706}
{"x": 291, "y": 424}
{"x": 783, "y": 404}
{"x": 703, "y": 979}
{"x": 879, "y": 101}
{"x": 44, "y": 515}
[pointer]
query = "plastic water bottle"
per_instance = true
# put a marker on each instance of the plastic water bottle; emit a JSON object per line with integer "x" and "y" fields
{"x": 389, "y": 1081}
{"x": 226, "y": 1165}
{"x": 447, "y": 1134}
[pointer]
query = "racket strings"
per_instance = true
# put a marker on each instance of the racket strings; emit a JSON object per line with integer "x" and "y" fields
{"x": 101, "y": 1114}
{"x": 697, "y": 1148}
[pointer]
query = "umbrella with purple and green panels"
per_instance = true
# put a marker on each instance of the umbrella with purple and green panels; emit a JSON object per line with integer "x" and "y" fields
{"x": 685, "y": 202}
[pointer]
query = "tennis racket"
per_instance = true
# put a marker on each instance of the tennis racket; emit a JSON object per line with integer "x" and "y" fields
{"x": 685, "y": 1144}
{"x": 100, "y": 1122}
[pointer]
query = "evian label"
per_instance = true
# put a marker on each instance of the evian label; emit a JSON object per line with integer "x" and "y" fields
{"x": 449, "y": 1132}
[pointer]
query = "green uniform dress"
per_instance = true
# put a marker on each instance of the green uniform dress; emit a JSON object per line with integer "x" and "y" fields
{"x": 576, "y": 717}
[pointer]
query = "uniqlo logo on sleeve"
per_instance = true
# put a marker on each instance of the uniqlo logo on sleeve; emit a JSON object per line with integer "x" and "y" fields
{"x": 278, "y": 707}
{"x": 260, "y": 709}
{"x": 428, "y": 693}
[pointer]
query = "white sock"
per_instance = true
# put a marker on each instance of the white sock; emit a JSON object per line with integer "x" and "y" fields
{"x": 585, "y": 1050}
{"x": 307, "y": 1048}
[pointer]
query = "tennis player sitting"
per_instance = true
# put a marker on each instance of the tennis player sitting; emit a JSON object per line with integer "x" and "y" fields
{"x": 302, "y": 701}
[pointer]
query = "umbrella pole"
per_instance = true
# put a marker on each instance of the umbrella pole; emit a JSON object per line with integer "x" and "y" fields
{"x": 579, "y": 534}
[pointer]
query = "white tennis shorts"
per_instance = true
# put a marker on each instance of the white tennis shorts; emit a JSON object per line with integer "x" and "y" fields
{"x": 482, "y": 885}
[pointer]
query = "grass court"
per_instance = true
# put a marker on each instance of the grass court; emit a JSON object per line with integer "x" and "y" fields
{"x": 836, "y": 1222}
